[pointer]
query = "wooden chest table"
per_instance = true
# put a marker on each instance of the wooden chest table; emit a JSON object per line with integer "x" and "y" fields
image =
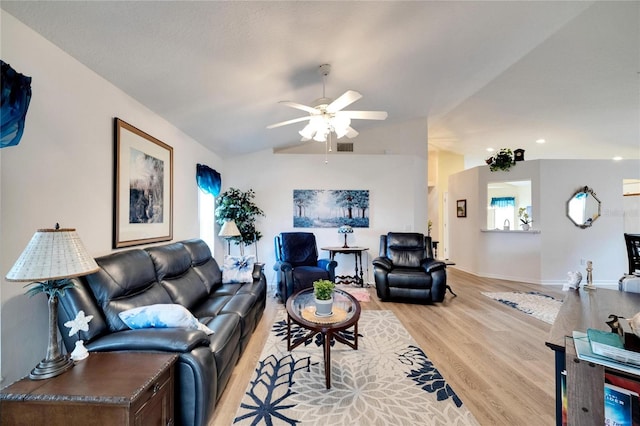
{"x": 110, "y": 388}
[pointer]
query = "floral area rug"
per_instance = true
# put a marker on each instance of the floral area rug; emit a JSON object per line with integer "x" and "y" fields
{"x": 389, "y": 380}
{"x": 538, "y": 305}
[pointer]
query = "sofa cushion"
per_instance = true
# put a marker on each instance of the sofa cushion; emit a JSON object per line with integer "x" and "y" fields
{"x": 205, "y": 266}
{"x": 238, "y": 269}
{"x": 162, "y": 316}
{"x": 406, "y": 249}
{"x": 299, "y": 248}
{"x": 125, "y": 280}
{"x": 211, "y": 306}
{"x": 172, "y": 263}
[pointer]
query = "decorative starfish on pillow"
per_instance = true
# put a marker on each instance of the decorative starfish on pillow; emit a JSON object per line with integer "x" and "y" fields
{"x": 80, "y": 323}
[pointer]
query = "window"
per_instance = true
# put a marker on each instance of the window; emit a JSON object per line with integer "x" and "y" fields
{"x": 206, "y": 215}
{"x": 504, "y": 199}
{"x": 503, "y": 212}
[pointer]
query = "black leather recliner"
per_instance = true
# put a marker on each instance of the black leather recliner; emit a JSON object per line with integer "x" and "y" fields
{"x": 406, "y": 269}
{"x": 297, "y": 264}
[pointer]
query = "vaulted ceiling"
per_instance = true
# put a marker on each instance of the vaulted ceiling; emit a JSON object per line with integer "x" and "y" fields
{"x": 481, "y": 74}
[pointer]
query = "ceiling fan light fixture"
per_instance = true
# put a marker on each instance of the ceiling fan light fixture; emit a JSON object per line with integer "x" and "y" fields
{"x": 320, "y": 137}
{"x": 308, "y": 132}
{"x": 327, "y": 116}
{"x": 340, "y": 125}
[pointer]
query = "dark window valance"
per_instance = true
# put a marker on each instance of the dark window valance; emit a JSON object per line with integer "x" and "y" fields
{"x": 14, "y": 102}
{"x": 503, "y": 202}
{"x": 208, "y": 180}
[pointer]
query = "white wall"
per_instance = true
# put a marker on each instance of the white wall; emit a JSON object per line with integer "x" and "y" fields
{"x": 544, "y": 257}
{"x": 397, "y": 185}
{"x": 62, "y": 171}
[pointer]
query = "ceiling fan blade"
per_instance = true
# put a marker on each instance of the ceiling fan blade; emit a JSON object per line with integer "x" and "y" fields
{"x": 284, "y": 123}
{"x": 351, "y": 133}
{"x": 310, "y": 110}
{"x": 364, "y": 115}
{"x": 347, "y": 98}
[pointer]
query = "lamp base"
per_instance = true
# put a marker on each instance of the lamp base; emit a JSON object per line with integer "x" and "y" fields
{"x": 48, "y": 368}
{"x": 345, "y": 242}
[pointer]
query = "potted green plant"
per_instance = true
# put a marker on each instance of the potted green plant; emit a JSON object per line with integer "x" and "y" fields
{"x": 237, "y": 205}
{"x": 323, "y": 293}
{"x": 503, "y": 160}
{"x": 524, "y": 218}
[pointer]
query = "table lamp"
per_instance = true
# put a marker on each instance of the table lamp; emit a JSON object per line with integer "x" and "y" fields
{"x": 345, "y": 229}
{"x": 228, "y": 231}
{"x": 49, "y": 260}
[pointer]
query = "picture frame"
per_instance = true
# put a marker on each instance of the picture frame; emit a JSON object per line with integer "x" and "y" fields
{"x": 461, "y": 208}
{"x": 143, "y": 187}
{"x": 330, "y": 208}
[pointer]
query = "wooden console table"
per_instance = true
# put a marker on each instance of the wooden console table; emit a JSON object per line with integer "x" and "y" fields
{"x": 581, "y": 310}
{"x": 109, "y": 388}
{"x": 357, "y": 252}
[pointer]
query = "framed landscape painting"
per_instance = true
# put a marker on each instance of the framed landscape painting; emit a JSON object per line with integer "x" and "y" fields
{"x": 143, "y": 188}
{"x": 330, "y": 208}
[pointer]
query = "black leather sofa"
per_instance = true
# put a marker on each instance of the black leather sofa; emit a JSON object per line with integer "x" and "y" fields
{"x": 182, "y": 273}
{"x": 406, "y": 270}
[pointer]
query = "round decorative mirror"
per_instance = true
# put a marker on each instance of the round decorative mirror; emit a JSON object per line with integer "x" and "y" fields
{"x": 583, "y": 208}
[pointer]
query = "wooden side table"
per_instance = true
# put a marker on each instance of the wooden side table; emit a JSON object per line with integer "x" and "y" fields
{"x": 357, "y": 252}
{"x": 108, "y": 388}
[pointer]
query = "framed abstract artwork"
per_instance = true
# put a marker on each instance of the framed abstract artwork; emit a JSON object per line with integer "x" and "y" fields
{"x": 143, "y": 188}
{"x": 461, "y": 208}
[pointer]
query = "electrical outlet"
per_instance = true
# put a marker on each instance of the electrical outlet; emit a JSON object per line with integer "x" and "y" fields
{"x": 583, "y": 261}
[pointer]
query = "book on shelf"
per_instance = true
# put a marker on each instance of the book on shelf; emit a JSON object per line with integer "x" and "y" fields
{"x": 629, "y": 384}
{"x": 618, "y": 406}
{"x": 584, "y": 352}
{"x": 563, "y": 393}
{"x": 611, "y": 345}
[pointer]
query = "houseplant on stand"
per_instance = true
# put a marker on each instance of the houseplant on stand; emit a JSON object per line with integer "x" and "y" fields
{"x": 323, "y": 292}
{"x": 238, "y": 206}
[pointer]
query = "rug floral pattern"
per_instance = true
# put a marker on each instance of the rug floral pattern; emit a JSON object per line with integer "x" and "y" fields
{"x": 388, "y": 380}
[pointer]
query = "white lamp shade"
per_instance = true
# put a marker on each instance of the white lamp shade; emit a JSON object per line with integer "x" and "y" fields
{"x": 53, "y": 254}
{"x": 229, "y": 230}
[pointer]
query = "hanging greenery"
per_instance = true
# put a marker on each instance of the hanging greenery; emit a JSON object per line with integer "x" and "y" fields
{"x": 236, "y": 205}
{"x": 503, "y": 160}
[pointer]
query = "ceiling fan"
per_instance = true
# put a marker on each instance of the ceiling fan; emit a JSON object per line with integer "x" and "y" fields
{"x": 326, "y": 115}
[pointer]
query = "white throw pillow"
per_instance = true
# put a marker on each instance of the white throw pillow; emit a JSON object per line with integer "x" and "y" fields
{"x": 238, "y": 269}
{"x": 162, "y": 316}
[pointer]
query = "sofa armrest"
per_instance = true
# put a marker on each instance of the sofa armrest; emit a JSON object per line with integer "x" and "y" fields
{"x": 327, "y": 265}
{"x": 150, "y": 339}
{"x": 283, "y": 266}
{"x": 432, "y": 265}
{"x": 257, "y": 270}
{"x": 383, "y": 262}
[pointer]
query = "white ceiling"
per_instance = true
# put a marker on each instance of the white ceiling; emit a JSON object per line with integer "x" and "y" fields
{"x": 481, "y": 73}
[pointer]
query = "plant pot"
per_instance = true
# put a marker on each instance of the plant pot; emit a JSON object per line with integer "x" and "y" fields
{"x": 525, "y": 226}
{"x": 324, "y": 308}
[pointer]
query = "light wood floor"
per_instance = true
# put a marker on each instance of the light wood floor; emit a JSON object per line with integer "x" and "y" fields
{"x": 493, "y": 356}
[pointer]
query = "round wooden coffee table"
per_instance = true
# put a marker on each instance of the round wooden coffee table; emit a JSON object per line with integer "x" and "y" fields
{"x": 301, "y": 311}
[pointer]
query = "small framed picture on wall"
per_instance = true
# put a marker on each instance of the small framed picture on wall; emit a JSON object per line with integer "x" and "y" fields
{"x": 461, "y": 208}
